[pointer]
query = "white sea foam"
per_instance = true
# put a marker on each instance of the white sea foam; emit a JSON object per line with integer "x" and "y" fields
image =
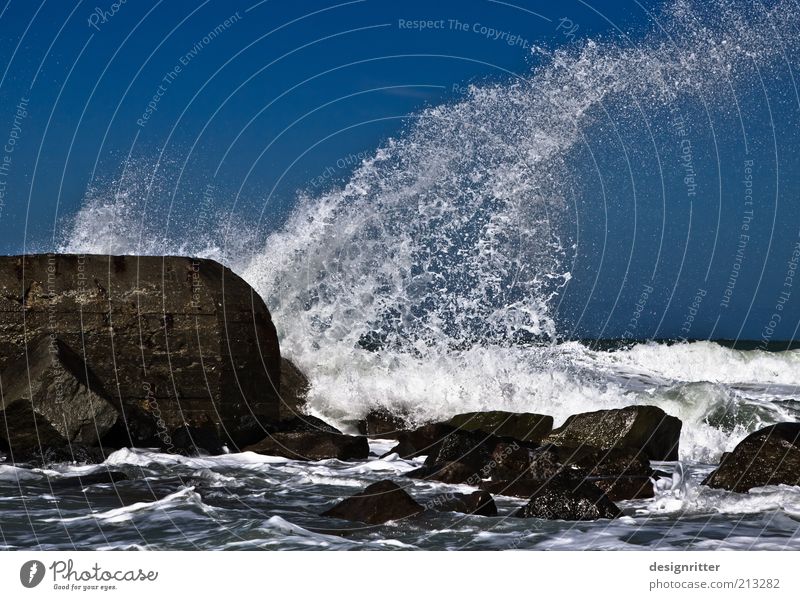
{"x": 142, "y": 458}
{"x": 701, "y": 500}
{"x": 12, "y": 473}
{"x": 705, "y": 361}
{"x": 177, "y": 500}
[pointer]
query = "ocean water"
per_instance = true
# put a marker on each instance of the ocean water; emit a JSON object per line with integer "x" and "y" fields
{"x": 250, "y": 501}
{"x": 428, "y": 285}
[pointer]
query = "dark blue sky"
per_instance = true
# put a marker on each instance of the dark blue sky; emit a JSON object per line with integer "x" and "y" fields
{"x": 266, "y": 98}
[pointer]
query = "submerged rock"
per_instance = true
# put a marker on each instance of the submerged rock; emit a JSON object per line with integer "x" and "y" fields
{"x": 177, "y": 341}
{"x": 51, "y": 398}
{"x": 378, "y": 503}
{"x": 642, "y": 428}
{"x": 769, "y": 456}
{"x": 527, "y": 427}
{"x": 569, "y": 499}
{"x": 312, "y": 445}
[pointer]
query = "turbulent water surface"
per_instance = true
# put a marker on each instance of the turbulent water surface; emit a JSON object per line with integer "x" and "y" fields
{"x": 252, "y": 501}
{"x": 427, "y": 285}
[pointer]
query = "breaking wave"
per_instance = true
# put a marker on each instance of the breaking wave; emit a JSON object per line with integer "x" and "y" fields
{"x": 427, "y": 283}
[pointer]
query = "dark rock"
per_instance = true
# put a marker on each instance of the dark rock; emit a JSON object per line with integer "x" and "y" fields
{"x": 197, "y": 441}
{"x": 515, "y": 470}
{"x": 294, "y": 390}
{"x": 454, "y": 472}
{"x": 378, "y": 503}
{"x": 312, "y": 445}
{"x": 623, "y": 473}
{"x": 194, "y": 441}
{"x": 472, "y": 448}
{"x": 477, "y": 503}
{"x": 520, "y": 488}
{"x": 51, "y": 398}
{"x": 134, "y": 428}
{"x": 178, "y": 341}
{"x": 645, "y": 428}
{"x": 381, "y": 424}
{"x": 769, "y": 456}
{"x": 569, "y": 498}
{"x": 302, "y": 423}
{"x": 527, "y": 427}
{"x": 511, "y": 461}
{"x": 612, "y": 462}
{"x": 422, "y": 441}
{"x": 507, "y": 461}
{"x": 44, "y": 456}
{"x": 625, "y": 488}
{"x": 472, "y": 461}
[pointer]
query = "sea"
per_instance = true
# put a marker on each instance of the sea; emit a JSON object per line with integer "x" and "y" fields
{"x": 428, "y": 284}
{"x": 250, "y": 501}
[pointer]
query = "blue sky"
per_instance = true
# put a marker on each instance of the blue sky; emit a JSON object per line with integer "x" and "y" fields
{"x": 267, "y": 98}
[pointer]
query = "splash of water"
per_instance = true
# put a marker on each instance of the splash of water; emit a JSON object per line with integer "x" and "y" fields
{"x": 426, "y": 283}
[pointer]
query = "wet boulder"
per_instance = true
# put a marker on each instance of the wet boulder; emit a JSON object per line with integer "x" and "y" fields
{"x": 453, "y": 472}
{"x": 197, "y": 441}
{"x": 312, "y": 445}
{"x": 642, "y": 428}
{"x": 472, "y": 448}
{"x": 422, "y": 441}
{"x": 301, "y": 423}
{"x": 381, "y": 424}
{"x": 519, "y": 488}
{"x": 46, "y": 455}
{"x": 517, "y": 470}
{"x": 610, "y": 462}
{"x": 510, "y": 461}
{"x": 477, "y": 503}
{"x": 624, "y": 487}
{"x": 569, "y": 498}
{"x": 527, "y": 427}
{"x": 293, "y": 390}
{"x": 622, "y": 473}
{"x": 379, "y": 503}
{"x": 177, "y": 341}
{"x": 769, "y": 456}
{"x": 471, "y": 458}
{"x": 51, "y": 398}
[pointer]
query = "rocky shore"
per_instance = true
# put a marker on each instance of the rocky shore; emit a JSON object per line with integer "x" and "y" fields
{"x": 99, "y": 353}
